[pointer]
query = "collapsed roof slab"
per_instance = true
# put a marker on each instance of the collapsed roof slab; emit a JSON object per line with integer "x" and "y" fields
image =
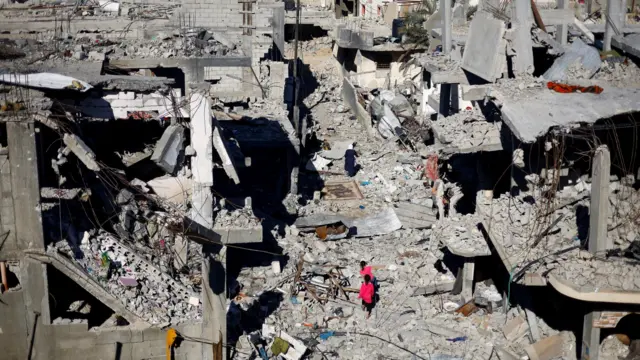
{"x": 629, "y": 44}
{"x": 611, "y": 280}
{"x": 533, "y": 116}
{"x": 73, "y": 272}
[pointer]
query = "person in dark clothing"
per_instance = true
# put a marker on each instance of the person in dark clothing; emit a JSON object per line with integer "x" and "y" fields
{"x": 350, "y": 165}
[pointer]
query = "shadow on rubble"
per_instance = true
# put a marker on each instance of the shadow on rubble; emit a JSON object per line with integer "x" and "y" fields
{"x": 247, "y": 318}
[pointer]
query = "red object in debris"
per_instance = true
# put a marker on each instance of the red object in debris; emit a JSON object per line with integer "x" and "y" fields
{"x": 566, "y": 88}
{"x": 140, "y": 115}
{"x": 431, "y": 168}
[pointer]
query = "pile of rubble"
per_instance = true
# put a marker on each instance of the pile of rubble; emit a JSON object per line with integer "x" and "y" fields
{"x": 145, "y": 282}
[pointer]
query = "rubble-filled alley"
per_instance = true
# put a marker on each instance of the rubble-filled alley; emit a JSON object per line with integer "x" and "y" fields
{"x": 314, "y": 180}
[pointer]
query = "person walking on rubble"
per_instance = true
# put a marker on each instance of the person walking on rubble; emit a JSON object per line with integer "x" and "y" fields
{"x": 368, "y": 270}
{"x": 350, "y": 165}
{"x": 367, "y": 294}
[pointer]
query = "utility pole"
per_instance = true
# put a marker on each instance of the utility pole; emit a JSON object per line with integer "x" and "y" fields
{"x": 296, "y": 86}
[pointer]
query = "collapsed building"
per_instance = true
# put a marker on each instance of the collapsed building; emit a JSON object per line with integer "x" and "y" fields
{"x": 159, "y": 197}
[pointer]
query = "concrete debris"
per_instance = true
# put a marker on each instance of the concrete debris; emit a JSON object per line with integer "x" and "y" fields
{"x": 82, "y": 151}
{"x": 579, "y": 61}
{"x": 169, "y": 149}
{"x": 484, "y": 53}
{"x": 176, "y": 190}
{"x": 467, "y": 132}
{"x": 546, "y": 349}
{"x": 461, "y": 235}
{"x": 163, "y": 232}
{"x": 157, "y": 297}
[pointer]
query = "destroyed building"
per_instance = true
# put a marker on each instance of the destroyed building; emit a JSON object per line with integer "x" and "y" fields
{"x": 173, "y": 180}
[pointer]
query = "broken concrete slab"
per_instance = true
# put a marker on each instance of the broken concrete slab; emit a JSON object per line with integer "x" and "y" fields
{"x": 176, "y": 190}
{"x": 546, "y": 349}
{"x": 522, "y": 43}
{"x": 414, "y": 216}
{"x": 81, "y": 150}
{"x": 222, "y": 147}
{"x": 73, "y": 272}
{"x": 515, "y": 328}
{"x": 169, "y": 148}
{"x": 381, "y": 223}
{"x": 484, "y": 53}
{"x": 534, "y": 116}
{"x": 434, "y": 288}
{"x": 578, "y": 54}
{"x": 629, "y": 44}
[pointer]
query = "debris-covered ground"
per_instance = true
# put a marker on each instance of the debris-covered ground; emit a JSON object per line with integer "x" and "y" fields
{"x": 493, "y": 207}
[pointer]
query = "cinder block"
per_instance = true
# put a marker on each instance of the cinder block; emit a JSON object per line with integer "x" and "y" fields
{"x": 153, "y": 334}
{"x": 148, "y": 349}
{"x": 111, "y": 97}
{"x": 113, "y": 336}
{"x": 126, "y": 103}
{"x": 126, "y": 95}
{"x": 154, "y": 102}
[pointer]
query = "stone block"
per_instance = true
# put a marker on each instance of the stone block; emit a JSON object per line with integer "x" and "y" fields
{"x": 126, "y": 95}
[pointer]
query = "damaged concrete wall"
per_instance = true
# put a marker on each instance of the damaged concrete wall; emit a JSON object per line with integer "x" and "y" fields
{"x": 120, "y": 105}
{"x": 214, "y": 14}
{"x": 350, "y": 96}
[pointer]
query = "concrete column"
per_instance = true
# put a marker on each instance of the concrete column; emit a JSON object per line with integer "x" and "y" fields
{"x": 467, "y": 279}
{"x": 445, "y": 8}
{"x": 614, "y": 19}
{"x": 599, "y": 207}
{"x": 562, "y": 29}
{"x": 590, "y": 337}
{"x": 523, "y": 62}
{"x": 25, "y": 185}
{"x": 214, "y": 302}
